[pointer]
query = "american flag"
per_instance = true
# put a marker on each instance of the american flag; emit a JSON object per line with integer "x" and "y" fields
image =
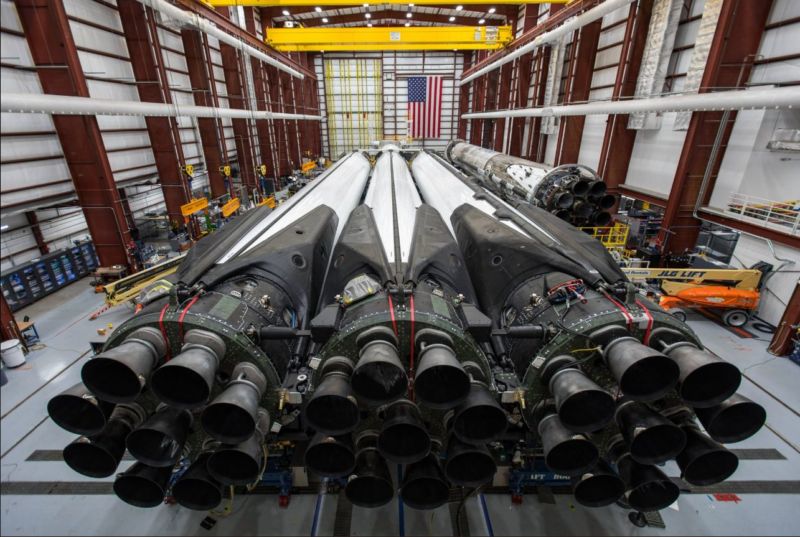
{"x": 424, "y": 106}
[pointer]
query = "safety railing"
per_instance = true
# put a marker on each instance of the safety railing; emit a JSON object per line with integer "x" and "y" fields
{"x": 783, "y": 215}
{"x": 612, "y": 237}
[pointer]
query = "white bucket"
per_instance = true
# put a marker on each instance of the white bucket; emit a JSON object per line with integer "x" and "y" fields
{"x": 11, "y": 353}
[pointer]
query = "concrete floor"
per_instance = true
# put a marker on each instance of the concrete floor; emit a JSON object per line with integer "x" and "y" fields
{"x": 62, "y": 321}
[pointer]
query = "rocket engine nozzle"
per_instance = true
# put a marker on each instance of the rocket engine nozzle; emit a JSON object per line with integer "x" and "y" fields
{"x": 424, "y": 484}
{"x": 231, "y": 417}
{"x": 99, "y": 455}
{"x": 332, "y": 408}
{"x": 78, "y": 411}
{"x": 119, "y": 374}
{"x": 186, "y": 380}
{"x": 142, "y": 485}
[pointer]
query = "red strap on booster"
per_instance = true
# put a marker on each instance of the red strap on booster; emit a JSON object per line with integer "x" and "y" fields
{"x": 649, "y": 316}
{"x": 623, "y": 309}
{"x": 163, "y": 330}
{"x": 411, "y": 356}
{"x": 183, "y": 313}
{"x": 391, "y": 314}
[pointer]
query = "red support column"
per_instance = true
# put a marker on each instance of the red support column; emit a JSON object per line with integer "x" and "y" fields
{"x": 126, "y": 206}
{"x": 8, "y": 325}
{"x": 313, "y": 108}
{"x": 316, "y": 126}
{"x": 503, "y": 100}
{"x": 236, "y": 93}
{"x": 489, "y": 103}
{"x": 276, "y": 105}
{"x": 33, "y": 220}
{"x": 301, "y": 126}
{"x": 200, "y": 77}
{"x": 524, "y": 65}
{"x": 478, "y": 102}
{"x": 287, "y": 96}
{"x": 463, "y": 99}
{"x": 241, "y": 130}
{"x": 265, "y": 141}
{"x": 537, "y": 140}
{"x": 524, "y": 70}
{"x": 163, "y": 131}
{"x": 781, "y": 343}
{"x": 613, "y": 166}
{"x": 736, "y": 41}
{"x": 54, "y": 53}
{"x": 581, "y": 69}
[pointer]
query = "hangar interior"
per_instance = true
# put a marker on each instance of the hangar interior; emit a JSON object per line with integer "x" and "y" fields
{"x": 278, "y": 267}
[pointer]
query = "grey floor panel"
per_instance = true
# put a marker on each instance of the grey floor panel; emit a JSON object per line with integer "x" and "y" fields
{"x": 62, "y": 320}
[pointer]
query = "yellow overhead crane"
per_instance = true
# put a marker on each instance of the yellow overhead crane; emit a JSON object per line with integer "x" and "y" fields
{"x": 348, "y": 3}
{"x": 322, "y": 39}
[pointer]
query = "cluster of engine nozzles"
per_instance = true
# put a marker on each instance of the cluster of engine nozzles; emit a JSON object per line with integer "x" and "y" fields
{"x": 647, "y": 434}
{"x": 580, "y": 200}
{"x": 344, "y": 447}
{"x": 115, "y": 408}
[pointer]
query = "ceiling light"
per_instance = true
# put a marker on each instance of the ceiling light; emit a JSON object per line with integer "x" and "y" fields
{"x": 369, "y": 25}
{"x": 285, "y": 13}
{"x": 459, "y": 8}
{"x": 492, "y": 10}
{"x": 451, "y": 19}
{"x": 408, "y": 15}
{"x": 410, "y": 5}
{"x": 481, "y": 21}
{"x": 325, "y": 20}
{"x": 4, "y": 227}
{"x": 319, "y": 9}
{"x": 367, "y": 15}
{"x": 408, "y": 24}
{"x": 366, "y": 5}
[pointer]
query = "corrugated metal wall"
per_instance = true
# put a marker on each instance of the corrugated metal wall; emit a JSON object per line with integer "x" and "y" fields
{"x": 33, "y": 170}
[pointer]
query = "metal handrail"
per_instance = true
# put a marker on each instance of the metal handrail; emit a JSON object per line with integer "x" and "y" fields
{"x": 784, "y": 215}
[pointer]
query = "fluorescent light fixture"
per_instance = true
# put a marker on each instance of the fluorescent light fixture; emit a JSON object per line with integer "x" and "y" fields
{"x": 325, "y": 20}
{"x": 408, "y": 15}
{"x": 285, "y": 13}
{"x": 368, "y": 15}
{"x": 4, "y": 227}
{"x": 492, "y": 10}
{"x": 319, "y": 9}
{"x": 408, "y": 24}
{"x": 369, "y": 25}
{"x": 451, "y": 19}
{"x": 459, "y": 7}
{"x": 481, "y": 21}
{"x": 366, "y": 5}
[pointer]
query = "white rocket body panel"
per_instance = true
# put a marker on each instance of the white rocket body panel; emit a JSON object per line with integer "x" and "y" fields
{"x": 445, "y": 192}
{"x": 391, "y": 168}
{"x": 340, "y": 188}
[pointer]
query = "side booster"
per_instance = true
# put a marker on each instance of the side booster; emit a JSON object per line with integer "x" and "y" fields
{"x": 196, "y": 375}
{"x": 572, "y": 192}
{"x": 611, "y": 381}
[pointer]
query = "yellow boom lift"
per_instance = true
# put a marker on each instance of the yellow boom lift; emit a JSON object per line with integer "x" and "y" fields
{"x": 734, "y": 292}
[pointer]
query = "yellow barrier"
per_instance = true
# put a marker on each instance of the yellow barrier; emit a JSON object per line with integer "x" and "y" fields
{"x": 613, "y": 237}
